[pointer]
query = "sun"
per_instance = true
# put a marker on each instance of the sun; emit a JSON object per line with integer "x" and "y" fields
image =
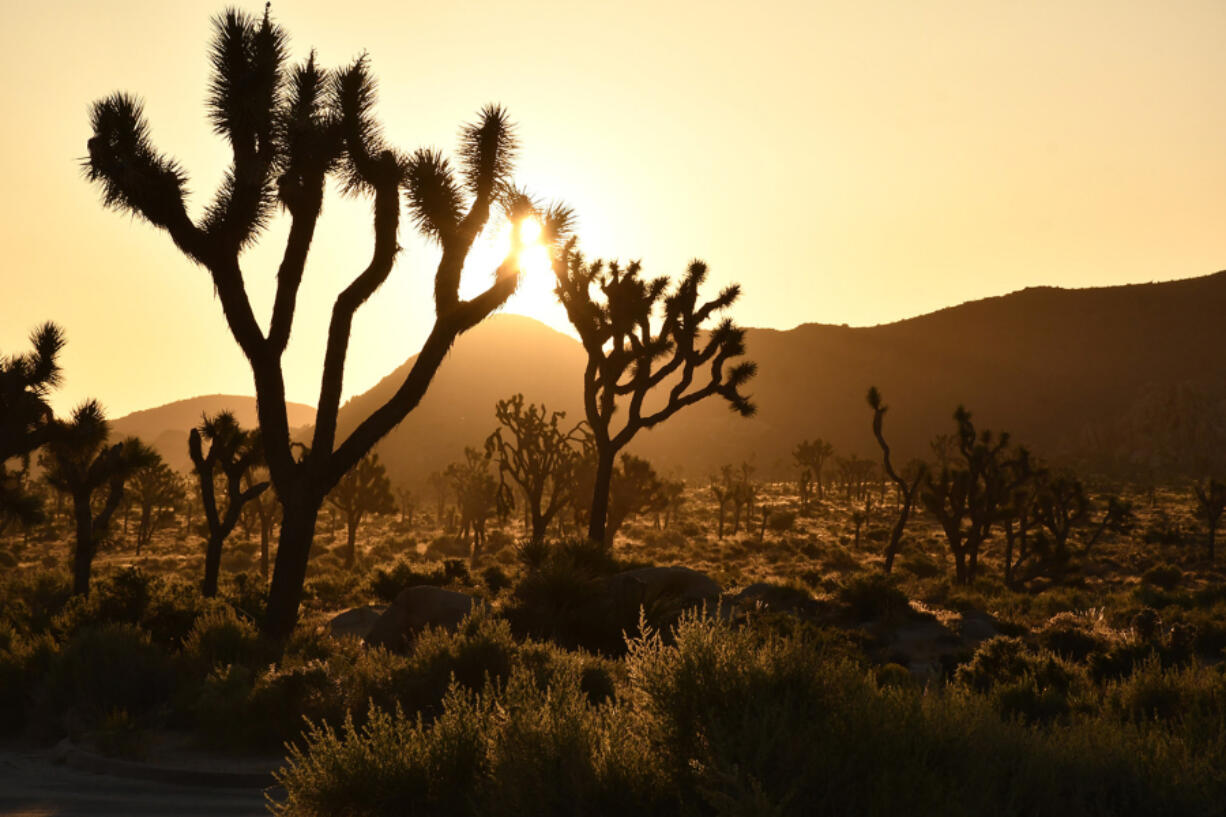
{"x": 534, "y": 297}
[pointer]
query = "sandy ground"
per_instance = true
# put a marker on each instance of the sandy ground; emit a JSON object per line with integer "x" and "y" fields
{"x": 31, "y": 785}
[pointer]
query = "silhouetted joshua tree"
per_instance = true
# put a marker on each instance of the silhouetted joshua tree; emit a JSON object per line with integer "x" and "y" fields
{"x": 1118, "y": 517}
{"x": 1060, "y": 506}
{"x": 26, "y": 419}
{"x": 534, "y": 451}
{"x": 477, "y": 494}
{"x": 79, "y": 462}
{"x": 724, "y": 489}
{"x": 233, "y": 451}
{"x": 1211, "y": 502}
{"x": 970, "y": 493}
{"x": 366, "y": 489}
{"x": 907, "y": 487}
{"x": 156, "y": 490}
{"x": 642, "y": 339}
{"x": 261, "y": 513}
{"x": 1020, "y": 517}
{"x": 289, "y": 131}
{"x": 634, "y": 489}
{"x": 406, "y": 503}
{"x": 812, "y": 456}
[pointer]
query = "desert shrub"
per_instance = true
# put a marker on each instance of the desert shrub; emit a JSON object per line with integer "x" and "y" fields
{"x": 920, "y": 564}
{"x": 497, "y": 540}
{"x": 874, "y": 597}
{"x": 222, "y": 637}
{"x": 1146, "y": 624}
{"x": 387, "y": 582}
{"x": 109, "y": 666}
{"x": 118, "y": 734}
{"x": 481, "y": 649}
{"x": 24, "y": 663}
{"x": 1118, "y": 661}
{"x": 1070, "y": 636}
{"x": 172, "y": 612}
{"x": 32, "y": 599}
{"x": 283, "y": 699}
{"x": 247, "y": 594}
{"x": 518, "y": 750}
{"x": 1163, "y": 529}
{"x": 893, "y": 675}
{"x": 332, "y": 590}
{"x": 1163, "y": 576}
{"x": 495, "y": 579}
{"x": 446, "y": 546}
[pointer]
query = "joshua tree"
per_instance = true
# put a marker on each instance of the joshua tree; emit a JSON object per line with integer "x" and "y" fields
{"x": 365, "y": 489}
{"x": 812, "y": 456}
{"x": 289, "y": 131}
{"x": 26, "y": 419}
{"x": 725, "y": 490}
{"x": 628, "y": 359}
{"x": 541, "y": 458}
{"x": 1211, "y": 502}
{"x": 406, "y": 503}
{"x": 1060, "y": 506}
{"x": 261, "y": 512}
{"x": 744, "y": 495}
{"x": 1118, "y": 517}
{"x": 907, "y": 487}
{"x": 477, "y": 494}
{"x": 970, "y": 494}
{"x": 672, "y": 495}
{"x": 635, "y": 489}
{"x": 442, "y": 488}
{"x": 1020, "y": 515}
{"x": 79, "y": 462}
{"x": 156, "y": 490}
{"x": 232, "y": 453}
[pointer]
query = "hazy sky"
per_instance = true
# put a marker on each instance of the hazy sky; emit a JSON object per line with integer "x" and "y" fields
{"x": 847, "y": 162}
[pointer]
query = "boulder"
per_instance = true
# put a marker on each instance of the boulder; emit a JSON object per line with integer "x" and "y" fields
{"x": 355, "y": 623}
{"x": 414, "y": 609}
{"x": 663, "y": 593}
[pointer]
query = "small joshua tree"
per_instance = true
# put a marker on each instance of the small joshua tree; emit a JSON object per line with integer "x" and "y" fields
{"x": 811, "y": 456}
{"x": 156, "y": 490}
{"x": 232, "y": 452}
{"x": 908, "y": 487}
{"x": 643, "y": 338}
{"x": 289, "y": 130}
{"x": 1118, "y": 517}
{"x": 79, "y": 462}
{"x": 406, "y": 504}
{"x": 534, "y": 452}
{"x": 364, "y": 490}
{"x": 1060, "y": 506}
{"x": 26, "y": 419}
{"x": 725, "y": 491}
{"x": 1211, "y": 502}
{"x": 636, "y": 488}
{"x": 477, "y": 495}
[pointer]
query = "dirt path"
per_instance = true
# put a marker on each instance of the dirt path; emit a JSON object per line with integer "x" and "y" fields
{"x": 31, "y": 785}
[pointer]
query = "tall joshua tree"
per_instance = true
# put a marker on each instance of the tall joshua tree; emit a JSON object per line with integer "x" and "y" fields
{"x": 366, "y": 489}
{"x": 156, "y": 490}
{"x": 643, "y": 338}
{"x": 289, "y": 131}
{"x": 908, "y": 487}
{"x": 232, "y": 453}
{"x": 539, "y": 456}
{"x": 26, "y": 418}
{"x": 79, "y": 462}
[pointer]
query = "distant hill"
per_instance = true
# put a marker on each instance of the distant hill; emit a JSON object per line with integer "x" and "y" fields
{"x": 1115, "y": 378}
{"x": 166, "y": 427}
{"x": 1125, "y": 379}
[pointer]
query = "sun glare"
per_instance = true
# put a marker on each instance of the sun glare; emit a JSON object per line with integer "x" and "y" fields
{"x": 534, "y": 297}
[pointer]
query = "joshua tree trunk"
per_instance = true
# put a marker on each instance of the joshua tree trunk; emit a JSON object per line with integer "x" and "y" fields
{"x": 212, "y": 562}
{"x": 351, "y": 545}
{"x": 83, "y": 555}
{"x": 289, "y": 571}
{"x": 600, "y": 495}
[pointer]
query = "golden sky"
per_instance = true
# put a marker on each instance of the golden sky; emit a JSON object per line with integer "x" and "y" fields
{"x": 847, "y": 162}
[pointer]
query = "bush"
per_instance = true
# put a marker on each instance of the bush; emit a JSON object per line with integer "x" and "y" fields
{"x": 386, "y": 583}
{"x": 1164, "y": 576}
{"x": 222, "y": 637}
{"x": 107, "y": 667}
{"x": 1070, "y": 636}
{"x": 874, "y": 597}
